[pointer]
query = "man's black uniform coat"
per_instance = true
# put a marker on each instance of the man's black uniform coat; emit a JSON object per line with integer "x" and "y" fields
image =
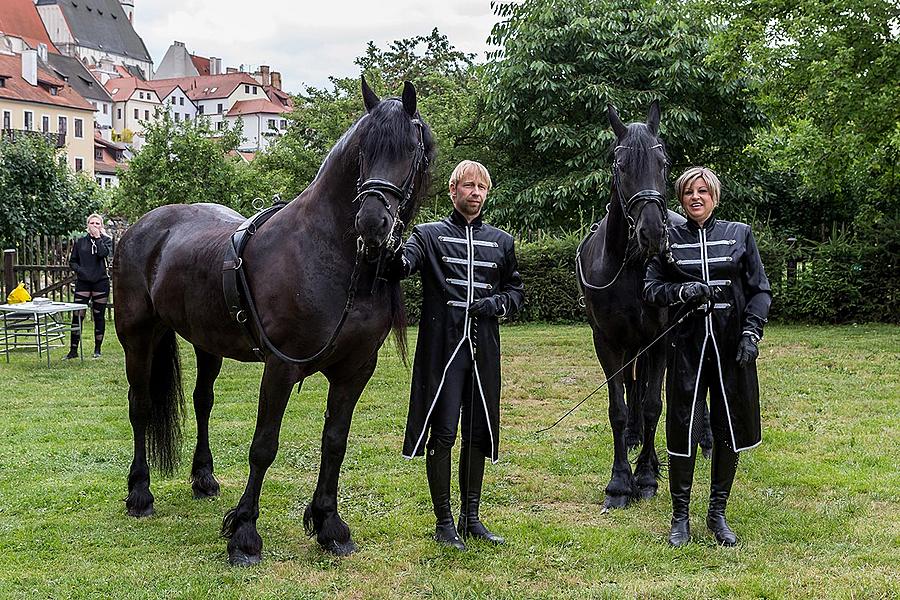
{"x": 724, "y": 255}
{"x": 459, "y": 263}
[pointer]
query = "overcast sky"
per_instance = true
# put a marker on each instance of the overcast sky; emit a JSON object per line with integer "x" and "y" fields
{"x": 305, "y": 40}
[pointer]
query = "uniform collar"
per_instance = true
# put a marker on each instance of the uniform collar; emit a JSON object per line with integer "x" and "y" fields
{"x": 708, "y": 225}
{"x": 457, "y": 218}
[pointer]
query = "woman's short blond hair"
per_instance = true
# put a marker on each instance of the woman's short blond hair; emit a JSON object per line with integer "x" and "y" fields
{"x": 92, "y": 216}
{"x": 470, "y": 165}
{"x": 688, "y": 177}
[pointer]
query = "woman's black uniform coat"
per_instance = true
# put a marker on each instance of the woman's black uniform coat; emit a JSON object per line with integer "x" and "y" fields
{"x": 459, "y": 263}
{"x": 724, "y": 255}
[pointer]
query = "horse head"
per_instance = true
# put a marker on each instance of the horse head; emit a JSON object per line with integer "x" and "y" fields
{"x": 395, "y": 151}
{"x": 640, "y": 169}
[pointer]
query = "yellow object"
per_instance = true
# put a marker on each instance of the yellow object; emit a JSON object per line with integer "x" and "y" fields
{"x": 20, "y": 294}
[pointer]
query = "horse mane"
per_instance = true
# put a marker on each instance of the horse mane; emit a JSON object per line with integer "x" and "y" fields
{"x": 384, "y": 132}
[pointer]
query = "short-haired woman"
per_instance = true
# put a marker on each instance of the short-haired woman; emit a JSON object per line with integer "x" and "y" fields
{"x": 89, "y": 260}
{"x": 716, "y": 274}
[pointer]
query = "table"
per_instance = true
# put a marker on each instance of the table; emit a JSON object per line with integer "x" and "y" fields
{"x": 38, "y": 326}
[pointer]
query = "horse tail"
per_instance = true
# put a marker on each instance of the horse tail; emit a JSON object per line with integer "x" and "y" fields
{"x": 167, "y": 405}
{"x": 399, "y": 322}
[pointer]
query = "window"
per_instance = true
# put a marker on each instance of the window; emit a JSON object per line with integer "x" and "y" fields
{"x": 62, "y": 125}
{"x": 220, "y": 125}
{"x": 137, "y": 114}
{"x": 141, "y": 95}
{"x": 220, "y": 108}
{"x": 98, "y": 154}
{"x": 79, "y": 128}
{"x": 200, "y": 110}
{"x": 181, "y": 101}
{"x": 177, "y": 117}
{"x": 172, "y": 100}
{"x": 254, "y": 89}
{"x": 99, "y": 181}
{"x": 146, "y": 115}
{"x": 54, "y": 91}
{"x": 271, "y": 123}
{"x": 187, "y": 116}
{"x": 284, "y": 123}
{"x": 79, "y": 165}
{"x": 118, "y": 113}
{"x": 29, "y": 120}
{"x": 105, "y": 108}
{"x": 7, "y": 119}
{"x": 246, "y": 89}
{"x": 2, "y": 82}
{"x": 45, "y": 124}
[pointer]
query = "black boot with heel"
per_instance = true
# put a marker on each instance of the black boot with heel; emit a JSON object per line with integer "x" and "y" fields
{"x": 437, "y": 468}
{"x": 724, "y": 467}
{"x": 681, "y": 478}
{"x": 471, "y": 478}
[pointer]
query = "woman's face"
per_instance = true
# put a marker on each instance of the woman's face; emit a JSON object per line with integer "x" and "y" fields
{"x": 94, "y": 223}
{"x": 697, "y": 201}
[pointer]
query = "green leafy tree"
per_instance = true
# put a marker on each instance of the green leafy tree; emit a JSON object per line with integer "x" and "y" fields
{"x": 450, "y": 97}
{"x": 39, "y": 193}
{"x": 562, "y": 61}
{"x": 827, "y": 75}
{"x": 182, "y": 163}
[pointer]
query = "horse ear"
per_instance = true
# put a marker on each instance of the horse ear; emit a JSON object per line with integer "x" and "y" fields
{"x": 409, "y": 99}
{"x": 618, "y": 126}
{"x": 653, "y": 117}
{"x": 369, "y": 97}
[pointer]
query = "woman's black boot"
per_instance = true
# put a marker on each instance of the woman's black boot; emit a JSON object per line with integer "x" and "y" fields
{"x": 681, "y": 477}
{"x": 471, "y": 477}
{"x": 724, "y": 466}
{"x": 437, "y": 468}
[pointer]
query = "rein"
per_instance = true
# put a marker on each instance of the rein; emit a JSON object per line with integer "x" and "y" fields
{"x": 647, "y": 196}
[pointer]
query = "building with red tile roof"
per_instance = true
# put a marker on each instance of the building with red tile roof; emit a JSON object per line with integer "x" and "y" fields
{"x": 33, "y": 99}
{"x": 20, "y": 18}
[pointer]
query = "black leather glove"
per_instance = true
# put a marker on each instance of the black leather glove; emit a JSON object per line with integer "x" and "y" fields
{"x": 486, "y": 307}
{"x": 747, "y": 350}
{"x": 395, "y": 267}
{"x": 694, "y": 292}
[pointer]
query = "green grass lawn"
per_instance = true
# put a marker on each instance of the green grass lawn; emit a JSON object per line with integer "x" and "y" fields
{"x": 817, "y": 506}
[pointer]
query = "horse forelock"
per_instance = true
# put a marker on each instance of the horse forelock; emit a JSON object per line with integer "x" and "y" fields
{"x": 635, "y": 148}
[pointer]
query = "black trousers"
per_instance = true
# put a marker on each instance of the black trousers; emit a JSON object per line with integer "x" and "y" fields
{"x": 458, "y": 398}
{"x": 709, "y": 385}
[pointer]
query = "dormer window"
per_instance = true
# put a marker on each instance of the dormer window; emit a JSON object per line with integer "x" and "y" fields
{"x": 54, "y": 91}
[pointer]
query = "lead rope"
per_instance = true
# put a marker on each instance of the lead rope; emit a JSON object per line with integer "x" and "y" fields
{"x": 625, "y": 366}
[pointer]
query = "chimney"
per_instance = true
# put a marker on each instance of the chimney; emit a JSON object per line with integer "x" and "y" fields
{"x": 266, "y": 79}
{"x": 276, "y": 80}
{"x": 42, "y": 51}
{"x": 230, "y": 70}
{"x": 29, "y": 66}
{"x": 128, "y": 7}
{"x": 215, "y": 65}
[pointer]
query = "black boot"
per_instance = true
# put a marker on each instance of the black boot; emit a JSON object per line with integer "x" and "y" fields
{"x": 471, "y": 477}
{"x": 681, "y": 477}
{"x": 437, "y": 467}
{"x": 724, "y": 466}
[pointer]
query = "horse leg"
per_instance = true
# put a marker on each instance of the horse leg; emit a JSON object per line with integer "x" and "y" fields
{"x": 647, "y": 471}
{"x": 321, "y": 517}
{"x": 138, "y": 361}
{"x": 239, "y": 524}
{"x": 620, "y": 489}
{"x": 633, "y": 398}
{"x": 203, "y": 482}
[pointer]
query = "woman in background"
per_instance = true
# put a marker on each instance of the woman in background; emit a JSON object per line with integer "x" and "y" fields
{"x": 88, "y": 260}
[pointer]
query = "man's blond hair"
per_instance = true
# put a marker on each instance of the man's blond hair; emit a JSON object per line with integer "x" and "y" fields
{"x": 688, "y": 177}
{"x": 470, "y": 165}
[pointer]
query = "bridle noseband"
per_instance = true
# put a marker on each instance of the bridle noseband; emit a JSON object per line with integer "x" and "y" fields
{"x": 382, "y": 188}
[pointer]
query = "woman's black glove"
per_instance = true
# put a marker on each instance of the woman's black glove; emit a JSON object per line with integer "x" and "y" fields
{"x": 395, "y": 267}
{"x": 747, "y": 350}
{"x": 694, "y": 292}
{"x": 486, "y": 307}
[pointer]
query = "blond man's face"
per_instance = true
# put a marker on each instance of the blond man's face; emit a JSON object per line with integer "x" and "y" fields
{"x": 469, "y": 194}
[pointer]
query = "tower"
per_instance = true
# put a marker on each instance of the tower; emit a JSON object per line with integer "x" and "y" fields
{"x": 128, "y": 7}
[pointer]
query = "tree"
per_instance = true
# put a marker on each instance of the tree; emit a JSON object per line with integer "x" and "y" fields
{"x": 40, "y": 194}
{"x": 450, "y": 98}
{"x": 562, "y": 61}
{"x": 182, "y": 163}
{"x": 827, "y": 75}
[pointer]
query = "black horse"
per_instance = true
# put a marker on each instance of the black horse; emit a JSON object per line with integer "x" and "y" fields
{"x": 611, "y": 263}
{"x": 301, "y": 266}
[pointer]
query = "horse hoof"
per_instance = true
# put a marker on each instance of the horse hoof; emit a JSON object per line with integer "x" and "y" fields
{"x": 205, "y": 487}
{"x": 240, "y": 559}
{"x": 616, "y": 501}
{"x": 645, "y": 493}
{"x": 339, "y": 549}
{"x": 140, "y": 512}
